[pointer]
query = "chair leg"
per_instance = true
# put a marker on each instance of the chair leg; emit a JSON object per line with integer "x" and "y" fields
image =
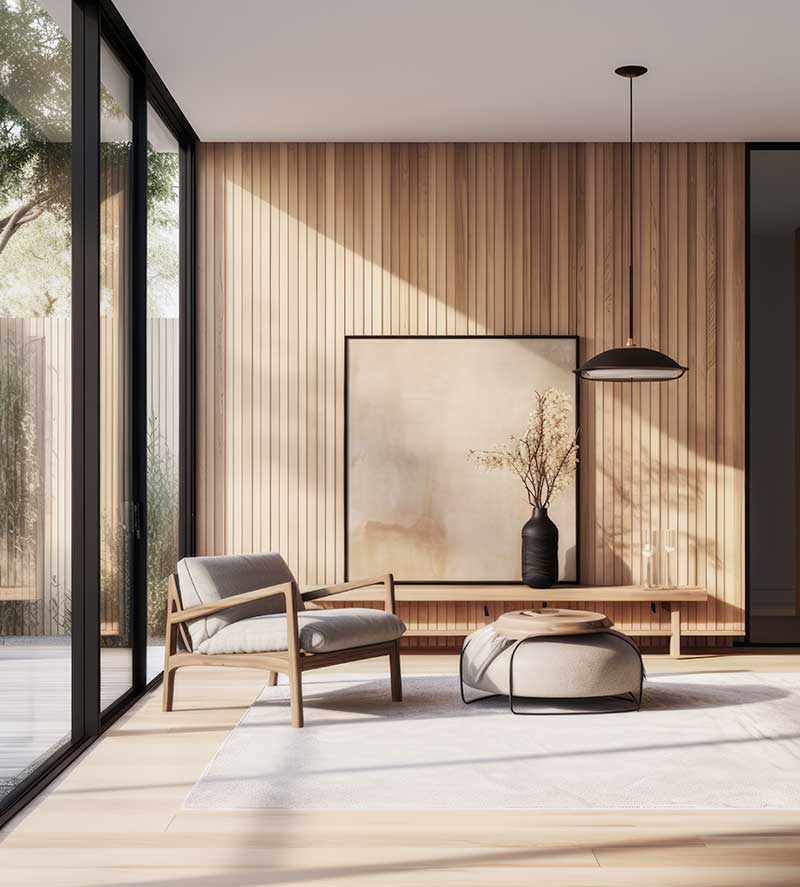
{"x": 295, "y": 671}
{"x": 168, "y": 692}
{"x": 170, "y": 646}
{"x": 272, "y": 679}
{"x": 296, "y": 693}
{"x": 394, "y": 671}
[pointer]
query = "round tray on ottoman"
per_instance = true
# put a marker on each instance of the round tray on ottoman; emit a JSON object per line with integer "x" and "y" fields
{"x": 555, "y": 655}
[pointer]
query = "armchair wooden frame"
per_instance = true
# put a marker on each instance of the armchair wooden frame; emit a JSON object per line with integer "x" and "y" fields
{"x": 292, "y": 662}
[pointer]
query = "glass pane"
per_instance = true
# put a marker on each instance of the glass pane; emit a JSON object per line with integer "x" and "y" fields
{"x": 35, "y": 374}
{"x": 116, "y": 142}
{"x": 163, "y": 291}
{"x": 774, "y": 371}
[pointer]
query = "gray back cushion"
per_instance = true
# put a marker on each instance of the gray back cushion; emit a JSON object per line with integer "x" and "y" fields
{"x": 204, "y": 580}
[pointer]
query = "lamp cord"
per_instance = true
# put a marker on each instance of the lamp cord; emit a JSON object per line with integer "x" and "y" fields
{"x": 630, "y": 223}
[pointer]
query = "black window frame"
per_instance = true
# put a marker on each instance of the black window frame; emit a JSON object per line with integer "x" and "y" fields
{"x": 94, "y": 21}
{"x": 749, "y": 149}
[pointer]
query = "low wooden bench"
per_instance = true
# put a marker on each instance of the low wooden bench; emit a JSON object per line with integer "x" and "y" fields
{"x": 669, "y": 599}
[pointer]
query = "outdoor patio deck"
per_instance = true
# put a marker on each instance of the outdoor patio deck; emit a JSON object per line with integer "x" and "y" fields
{"x": 35, "y": 678}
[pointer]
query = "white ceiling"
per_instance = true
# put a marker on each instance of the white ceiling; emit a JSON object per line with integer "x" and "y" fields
{"x": 475, "y": 70}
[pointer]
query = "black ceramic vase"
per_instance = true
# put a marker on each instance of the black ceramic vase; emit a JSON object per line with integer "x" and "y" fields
{"x": 540, "y": 550}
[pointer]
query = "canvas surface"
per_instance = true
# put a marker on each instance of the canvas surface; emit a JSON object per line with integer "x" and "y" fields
{"x": 416, "y": 506}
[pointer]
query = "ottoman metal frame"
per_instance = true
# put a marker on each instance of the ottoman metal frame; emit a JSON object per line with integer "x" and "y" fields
{"x": 628, "y": 701}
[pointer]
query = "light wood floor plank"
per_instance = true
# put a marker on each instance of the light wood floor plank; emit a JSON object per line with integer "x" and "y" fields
{"x": 321, "y": 876}
{"x": 116, "y": 818}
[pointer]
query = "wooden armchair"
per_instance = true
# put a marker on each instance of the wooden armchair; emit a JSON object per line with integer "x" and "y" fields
{"x": 277, "y": 608}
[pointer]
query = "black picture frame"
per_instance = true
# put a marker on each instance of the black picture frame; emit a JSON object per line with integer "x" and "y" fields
{"x": 346, "y": 478}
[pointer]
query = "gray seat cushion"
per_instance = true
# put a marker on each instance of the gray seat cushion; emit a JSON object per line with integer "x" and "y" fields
{"x": 205, "y": 580}
{"x": 558, "y": 667}
{"x": 321, "y": 631}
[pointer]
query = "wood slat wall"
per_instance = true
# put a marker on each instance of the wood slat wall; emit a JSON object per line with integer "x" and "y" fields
{"x": 302, "y": 244}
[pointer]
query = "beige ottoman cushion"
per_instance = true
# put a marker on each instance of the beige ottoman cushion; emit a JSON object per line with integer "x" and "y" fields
{"x": 562, "y": 667}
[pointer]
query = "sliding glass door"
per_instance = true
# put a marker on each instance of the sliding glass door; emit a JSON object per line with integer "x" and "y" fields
{"x": 163, "y": 376}
{"x": 96, "y": 166}
{"x": 117, "y": 508}
{"x": 773, "y": 361}
{"x": 35, "y": 385}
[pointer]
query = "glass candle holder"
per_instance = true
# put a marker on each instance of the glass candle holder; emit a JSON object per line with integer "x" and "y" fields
{"x": 649, "y": 550}
{"x": 670, "y": 547}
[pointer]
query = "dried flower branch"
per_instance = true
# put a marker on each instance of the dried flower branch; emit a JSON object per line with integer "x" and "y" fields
{"x": 546, "y": 457}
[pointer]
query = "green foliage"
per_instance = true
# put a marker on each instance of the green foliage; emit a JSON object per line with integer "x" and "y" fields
{"x": 163, "y": 175}
{"x": 115, "y": 580}
{"x": 162, "y": 546}
{"x": 35, "y": 270}
{"x": 35, "y": 122}
{"x": 19, "y": 619}
{"x": 19, "y": 464}
{"x": 19, "y": 487}
{"x": 35, "y": 247}
{"x": 60, "y": 608}
{"x": 163, "y": 227}
{"x": 162, "y": 526}
{"x": 32, "y": 618}
{"x": 35, "y": 107}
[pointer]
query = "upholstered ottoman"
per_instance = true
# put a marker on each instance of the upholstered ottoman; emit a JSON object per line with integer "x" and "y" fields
{"x": 600, "y": 663}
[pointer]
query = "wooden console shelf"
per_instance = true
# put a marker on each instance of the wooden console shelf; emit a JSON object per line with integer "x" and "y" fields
{"x": 669, "y": 599}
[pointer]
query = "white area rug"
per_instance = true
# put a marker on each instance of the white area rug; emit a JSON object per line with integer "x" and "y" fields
{"x": 726, "y": 740}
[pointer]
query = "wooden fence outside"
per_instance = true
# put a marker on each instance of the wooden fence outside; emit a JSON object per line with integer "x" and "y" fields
{"x": 35, "y": 577}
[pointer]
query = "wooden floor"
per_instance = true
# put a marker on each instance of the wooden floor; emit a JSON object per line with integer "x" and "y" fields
{"x": 116, "y": 818}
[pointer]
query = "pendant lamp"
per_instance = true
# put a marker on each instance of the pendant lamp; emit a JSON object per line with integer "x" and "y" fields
{"x": 631, "y": 363}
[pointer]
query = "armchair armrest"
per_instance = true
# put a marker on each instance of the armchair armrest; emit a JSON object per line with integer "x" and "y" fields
{"x": 200, "y": 610}
{"x": 387, "y": 581}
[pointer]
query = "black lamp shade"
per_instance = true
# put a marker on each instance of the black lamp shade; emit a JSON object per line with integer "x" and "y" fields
{"x": 631, "y": 364}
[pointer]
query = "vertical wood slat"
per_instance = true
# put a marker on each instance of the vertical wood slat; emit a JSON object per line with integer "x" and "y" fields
{"x": 475, "y": 239}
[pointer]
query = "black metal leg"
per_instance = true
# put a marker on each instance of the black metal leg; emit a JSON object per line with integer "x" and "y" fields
{"x": 511, "y": 674}
{"x": 461, "y": 673}
{"x": 634, "y": 704}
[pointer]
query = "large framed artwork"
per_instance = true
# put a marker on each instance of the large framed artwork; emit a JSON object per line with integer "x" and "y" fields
{"x": 416, "y": 505}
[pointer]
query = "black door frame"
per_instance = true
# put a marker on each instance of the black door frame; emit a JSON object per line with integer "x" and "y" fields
{"x": 748, "y": 150}
{"x": 94, "y": 21}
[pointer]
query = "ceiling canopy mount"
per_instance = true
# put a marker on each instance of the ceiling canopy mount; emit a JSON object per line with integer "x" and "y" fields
{"x": 631, "y": 363}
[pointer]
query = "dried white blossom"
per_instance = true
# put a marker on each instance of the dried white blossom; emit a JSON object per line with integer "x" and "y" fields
{"x": 546, "y": 457}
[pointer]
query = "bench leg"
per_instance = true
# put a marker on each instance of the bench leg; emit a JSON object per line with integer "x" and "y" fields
{"x": 394, "y": 671}
{"x": 272, "y": 679}
{"x": 675, "y": 635}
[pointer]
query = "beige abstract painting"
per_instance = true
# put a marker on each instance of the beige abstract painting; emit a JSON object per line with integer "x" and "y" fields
{"x": 416, "y": 506}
